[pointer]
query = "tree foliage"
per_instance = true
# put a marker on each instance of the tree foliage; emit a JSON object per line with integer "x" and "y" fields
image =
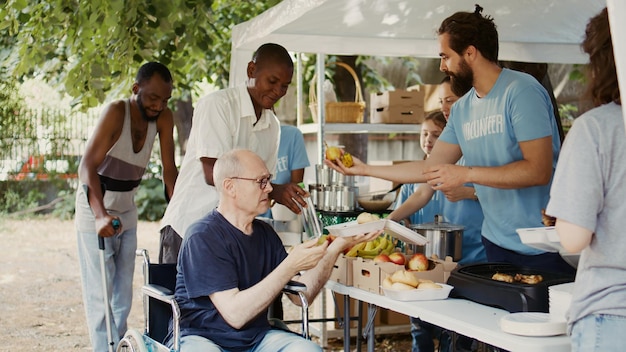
{"x": 92, "y": 48}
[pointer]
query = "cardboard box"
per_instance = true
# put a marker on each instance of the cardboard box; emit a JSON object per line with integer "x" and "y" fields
{"x": 431, "y": 96}
{"x": 399, "y": 106}
{"x": 390, "y": 317}
{"x": 369, "y": 276}
{"x": 397, "y": 114}
{"x": 401, "y": 97}
{"x": 342, "y": 270}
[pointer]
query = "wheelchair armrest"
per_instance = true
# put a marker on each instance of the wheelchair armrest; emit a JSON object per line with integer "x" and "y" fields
{"x": 293, "y": 287}
{"x": 158, "y": 292}
{"x": 167, "y": 296}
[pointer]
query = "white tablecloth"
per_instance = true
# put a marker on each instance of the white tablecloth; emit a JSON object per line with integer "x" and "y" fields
{"x": 462, "y": 316}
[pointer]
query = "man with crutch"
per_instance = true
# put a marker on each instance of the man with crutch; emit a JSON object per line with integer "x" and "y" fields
{"x": 110, "y": 172}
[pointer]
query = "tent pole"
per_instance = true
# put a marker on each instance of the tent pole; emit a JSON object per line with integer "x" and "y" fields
{"x": 321, "y": 120}
{"x": 299, "y": 117}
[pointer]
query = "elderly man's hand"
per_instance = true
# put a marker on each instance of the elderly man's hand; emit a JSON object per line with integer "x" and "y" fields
{"x": 346, "y": 242}
{"x": 306, "y": 255}
{"x": 289, "y": 195}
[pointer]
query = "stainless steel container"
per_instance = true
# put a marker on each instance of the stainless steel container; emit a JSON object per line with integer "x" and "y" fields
{"x": 444, "y": 239}
{"x": 339, "y": 179}
{"x": 345, "y": 197}
{"x": 339, "y": 198}
{"x": 317, "y": 195}
{"x": 328, "y": 198}
{"x": 333, "y": 190}
{"x": 322, "y": 175}
{"x": 325, "y": 176}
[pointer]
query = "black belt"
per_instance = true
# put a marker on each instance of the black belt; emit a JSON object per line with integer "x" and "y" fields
{"x": 118, "y": 185}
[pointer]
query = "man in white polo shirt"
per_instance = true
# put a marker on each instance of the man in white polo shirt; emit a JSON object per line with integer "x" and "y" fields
{"x": 239, "y": 117}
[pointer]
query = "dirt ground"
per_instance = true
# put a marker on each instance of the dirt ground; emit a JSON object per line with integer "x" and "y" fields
{"x": 40, "y": 293}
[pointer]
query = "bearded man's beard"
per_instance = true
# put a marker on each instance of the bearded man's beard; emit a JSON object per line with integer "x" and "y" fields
{"x": 462, "y": 81}
{"x": 144, "y": 113}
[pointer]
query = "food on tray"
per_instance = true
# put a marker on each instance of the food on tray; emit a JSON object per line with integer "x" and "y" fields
{"x": 429, "y": 285}
{"x": 528, "y": 279}
{"x": 523, "y": 278}
{"x": 503, "y": 277}
{"x": 405, "y": 280}
{"x": 387, "y": 283}
{"x": 366, "y": 217}
{"x": 547, "y": 219}
{"x": 401, "y": 286}
{"x": 404, "y": 277}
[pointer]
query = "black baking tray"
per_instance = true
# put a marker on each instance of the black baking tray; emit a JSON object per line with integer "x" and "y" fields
{"x": 474, "y": 282}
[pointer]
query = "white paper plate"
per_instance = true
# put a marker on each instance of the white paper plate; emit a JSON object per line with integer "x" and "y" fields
{"x": 532, "y": 324}
{"x": 391, "y": 227}
{"x": 425, "y": 294}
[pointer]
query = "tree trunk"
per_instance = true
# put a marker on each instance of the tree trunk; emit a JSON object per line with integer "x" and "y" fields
{"x": 183, "y": 113}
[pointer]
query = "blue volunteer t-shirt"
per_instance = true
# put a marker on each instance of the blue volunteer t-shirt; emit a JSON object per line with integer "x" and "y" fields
{"x": 469, "y": 214}
{"x": 427, "y": 212}
{"x": 291, "y": 156}
{"x": 216, "y": 256}
{"x": 488, "y": 131}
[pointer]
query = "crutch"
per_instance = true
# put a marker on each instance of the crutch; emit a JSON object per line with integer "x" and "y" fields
{"x": 105, "y": 292}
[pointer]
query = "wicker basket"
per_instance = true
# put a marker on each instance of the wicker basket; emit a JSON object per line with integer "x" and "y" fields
{"x": 340, "y": 112}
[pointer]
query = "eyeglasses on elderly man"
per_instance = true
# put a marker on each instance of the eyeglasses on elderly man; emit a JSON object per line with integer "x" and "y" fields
{"x": 261, "y": 181}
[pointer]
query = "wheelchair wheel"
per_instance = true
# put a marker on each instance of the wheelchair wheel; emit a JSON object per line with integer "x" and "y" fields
{"x": 132, "y": 342}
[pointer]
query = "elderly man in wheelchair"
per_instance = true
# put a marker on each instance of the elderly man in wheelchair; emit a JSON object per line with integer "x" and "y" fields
{"x": 232, "y": 266}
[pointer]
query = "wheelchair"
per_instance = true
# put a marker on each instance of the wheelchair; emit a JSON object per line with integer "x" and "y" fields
{"x": 160, "y": 307}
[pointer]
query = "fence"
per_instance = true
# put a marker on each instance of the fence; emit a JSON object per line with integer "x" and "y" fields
{"x": 33, "y": 133}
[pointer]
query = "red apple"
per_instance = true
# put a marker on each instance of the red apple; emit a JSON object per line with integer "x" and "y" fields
{"x": 382, "y": 258}
{"x": 418, "y": 262}
{"x": 397, "y": 258}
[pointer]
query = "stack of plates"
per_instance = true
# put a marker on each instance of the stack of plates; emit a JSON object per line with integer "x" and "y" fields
{"x": 531, "y": 324}
{"x": 560, "y": 298}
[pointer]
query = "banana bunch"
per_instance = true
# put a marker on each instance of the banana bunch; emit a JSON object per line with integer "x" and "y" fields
{"x": 368, "y": 250}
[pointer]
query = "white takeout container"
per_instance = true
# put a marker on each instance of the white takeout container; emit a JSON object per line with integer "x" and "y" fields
{"x": 391, "y": 227}
{"x": 546, "y": 239}
{"x": 424, "y": 294}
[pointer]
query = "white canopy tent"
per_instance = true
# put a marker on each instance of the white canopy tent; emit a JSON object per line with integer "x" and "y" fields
{"x": 529, "y": 30}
